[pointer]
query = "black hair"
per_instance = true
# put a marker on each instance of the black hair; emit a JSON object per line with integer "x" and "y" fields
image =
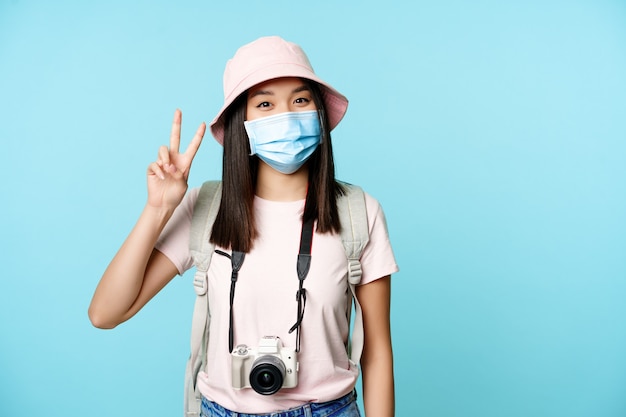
{"x": 234, "y": 226}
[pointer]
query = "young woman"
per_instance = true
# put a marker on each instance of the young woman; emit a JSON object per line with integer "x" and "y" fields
{"x": 273, "y": 180}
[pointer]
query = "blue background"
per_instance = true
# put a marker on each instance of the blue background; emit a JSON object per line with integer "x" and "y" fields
{"x": 493, "y": 133}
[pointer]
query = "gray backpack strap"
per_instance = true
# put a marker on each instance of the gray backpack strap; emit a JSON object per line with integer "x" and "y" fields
{"x": 201, "y": 250}
{"x": 354, "y": 237}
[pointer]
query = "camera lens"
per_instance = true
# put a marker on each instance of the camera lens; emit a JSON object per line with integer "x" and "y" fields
{"x": 267, "y": 375}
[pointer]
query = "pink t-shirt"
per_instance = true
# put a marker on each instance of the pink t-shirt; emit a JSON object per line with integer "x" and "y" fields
{"x": 265, "y": 302}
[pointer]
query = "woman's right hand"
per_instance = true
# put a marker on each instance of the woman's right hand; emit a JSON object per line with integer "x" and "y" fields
{"x": 167, "y": 176}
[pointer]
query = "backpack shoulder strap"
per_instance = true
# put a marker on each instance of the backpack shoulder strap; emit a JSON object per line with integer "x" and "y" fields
{"x": 201, "y": 250}
{"x": 354, "y": 237}
{"x": 204, "y": 214}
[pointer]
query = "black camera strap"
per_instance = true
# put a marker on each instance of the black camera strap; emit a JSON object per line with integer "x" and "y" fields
{"x": 302, "y": 268}
{"x": 236, "y": 260}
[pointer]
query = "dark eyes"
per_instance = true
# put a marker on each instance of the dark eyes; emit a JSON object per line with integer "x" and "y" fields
{"x": 299, "y": 100}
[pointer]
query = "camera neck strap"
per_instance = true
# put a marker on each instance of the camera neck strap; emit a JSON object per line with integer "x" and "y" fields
{"x": 302, "y": 268}
{"x": 236, "y": 261}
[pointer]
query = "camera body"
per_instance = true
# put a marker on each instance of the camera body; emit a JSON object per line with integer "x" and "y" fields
{"x": 265, "y": 369}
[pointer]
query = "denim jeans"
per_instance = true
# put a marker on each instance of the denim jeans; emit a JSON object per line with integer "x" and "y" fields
{"x": 345, "y": 406}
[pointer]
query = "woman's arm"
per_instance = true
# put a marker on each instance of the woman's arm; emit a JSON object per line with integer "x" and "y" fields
{"x": 377, "y": 357}
{"x": 135, "y": 275}
{"x": 138, "y": 271}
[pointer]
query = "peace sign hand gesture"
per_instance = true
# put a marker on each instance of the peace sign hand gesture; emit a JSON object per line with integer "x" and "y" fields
{"x": 167, "y": 176}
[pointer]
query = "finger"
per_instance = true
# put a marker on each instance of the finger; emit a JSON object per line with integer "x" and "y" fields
{"x": 192, "y": 149}
{"x": 175, "y": 134}
{"x": 163, "y": 170}
{"x": 164, "y": 156}
{"x": 173, "y": 171}
{"x": 155, "y": 169}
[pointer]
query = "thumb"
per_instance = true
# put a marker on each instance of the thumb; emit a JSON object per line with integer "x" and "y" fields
{"x": 173, "y": 171}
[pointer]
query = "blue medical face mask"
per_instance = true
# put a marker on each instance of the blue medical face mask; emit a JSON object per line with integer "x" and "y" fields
{"x": 285, "y": 141}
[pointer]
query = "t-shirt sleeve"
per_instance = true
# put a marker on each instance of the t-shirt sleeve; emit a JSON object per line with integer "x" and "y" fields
{"x": 377, "y": 259}
{"x": 174, "y": 239}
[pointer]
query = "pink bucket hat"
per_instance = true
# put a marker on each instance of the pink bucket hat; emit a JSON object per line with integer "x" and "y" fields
{"x": 265, "y": 59}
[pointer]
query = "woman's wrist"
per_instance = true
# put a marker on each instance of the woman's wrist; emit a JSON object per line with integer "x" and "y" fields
{"x": 157, "y": 216}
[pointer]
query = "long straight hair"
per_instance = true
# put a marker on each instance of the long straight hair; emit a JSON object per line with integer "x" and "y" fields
{"x": 234, "y": 226}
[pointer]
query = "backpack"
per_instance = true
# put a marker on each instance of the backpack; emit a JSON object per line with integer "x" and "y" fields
{"x": 354, "y": 236}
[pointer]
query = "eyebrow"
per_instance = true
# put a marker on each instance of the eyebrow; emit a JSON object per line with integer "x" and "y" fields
{"x": 303, "y": 87}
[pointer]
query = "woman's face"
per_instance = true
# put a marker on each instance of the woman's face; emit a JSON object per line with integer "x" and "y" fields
{"x": 278, "y": 96}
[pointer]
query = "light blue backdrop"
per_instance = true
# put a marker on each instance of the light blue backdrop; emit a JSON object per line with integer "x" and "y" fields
{"x": 493, "y": 133}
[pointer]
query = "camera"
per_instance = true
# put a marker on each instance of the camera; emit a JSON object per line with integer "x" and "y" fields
{"x": 266, "y": 369}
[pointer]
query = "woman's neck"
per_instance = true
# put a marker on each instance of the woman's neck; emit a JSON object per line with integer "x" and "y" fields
{"x": 275, "y": 186}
